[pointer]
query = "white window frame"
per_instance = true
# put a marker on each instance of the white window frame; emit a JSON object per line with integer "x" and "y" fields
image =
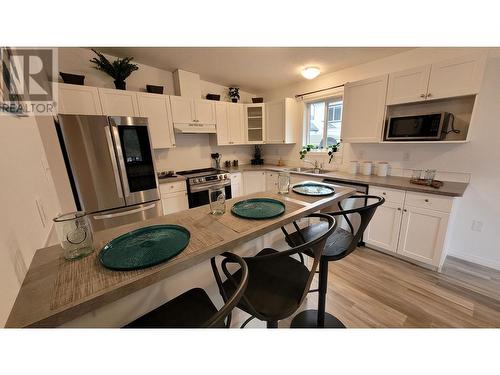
{"x": 338, "y": 96}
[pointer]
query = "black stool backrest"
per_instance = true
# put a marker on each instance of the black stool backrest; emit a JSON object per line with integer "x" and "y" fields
{"x": 365, "y": 213}
{"x": 232, "y": 301}
{"x": 315, "y": 246}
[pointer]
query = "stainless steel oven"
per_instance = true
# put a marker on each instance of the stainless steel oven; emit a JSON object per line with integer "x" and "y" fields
{"x": 420, "y": 127}
{"x": 200, "y": 180}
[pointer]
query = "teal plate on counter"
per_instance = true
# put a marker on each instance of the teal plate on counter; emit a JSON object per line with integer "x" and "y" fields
{"x": 144, "y": 247}
{"x": 258, "y": 208}
{"x": 313, "y": 189}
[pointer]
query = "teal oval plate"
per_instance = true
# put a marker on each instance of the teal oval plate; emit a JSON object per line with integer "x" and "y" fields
{"x": 144, "y": 247}
{"x": 258, "y": 208}
{"x": 310, "y": 188}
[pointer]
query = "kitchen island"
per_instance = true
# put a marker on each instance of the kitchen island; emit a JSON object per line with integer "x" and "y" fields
{"x": 56, "y": 291}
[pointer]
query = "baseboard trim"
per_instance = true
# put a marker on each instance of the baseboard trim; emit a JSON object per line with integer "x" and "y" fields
{"x": 475, "y": 259}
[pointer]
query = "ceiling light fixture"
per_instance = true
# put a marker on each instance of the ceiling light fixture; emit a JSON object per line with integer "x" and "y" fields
{"x": 310, "y": 72}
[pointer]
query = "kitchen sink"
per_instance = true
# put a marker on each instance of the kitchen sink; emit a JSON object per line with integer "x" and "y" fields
{"x": 307, "y": 170}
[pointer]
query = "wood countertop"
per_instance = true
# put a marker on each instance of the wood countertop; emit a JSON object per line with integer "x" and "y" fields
{"x": 56, "y": 291}
{"x": 449, "y": 188}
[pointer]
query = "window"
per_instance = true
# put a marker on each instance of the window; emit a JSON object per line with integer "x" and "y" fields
{"x": 324, "y": 120}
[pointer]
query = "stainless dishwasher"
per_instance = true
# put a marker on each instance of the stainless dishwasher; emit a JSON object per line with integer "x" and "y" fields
{"x": 348, "y": 204}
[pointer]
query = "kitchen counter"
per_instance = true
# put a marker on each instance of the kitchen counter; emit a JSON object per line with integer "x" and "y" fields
{"x": 56, "y": 291}
{"x": 451, "y": 189}
{"x": 171, "y": 179}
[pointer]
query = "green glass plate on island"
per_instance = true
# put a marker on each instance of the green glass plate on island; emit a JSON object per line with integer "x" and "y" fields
{"x": 313, "y": 189}
{"x": 144, "y": 247}
{"x": 258, "y": 208}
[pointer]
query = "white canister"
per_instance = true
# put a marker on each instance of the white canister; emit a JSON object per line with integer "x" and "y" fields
{"x": 367, "y": 168}
{"x": 354, "y": 167}
{"x": 382, "y": 168}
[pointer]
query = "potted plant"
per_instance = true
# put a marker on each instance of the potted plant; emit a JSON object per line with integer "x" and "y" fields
{"x": 234, "y": 94}
{"x": 332, "y": 149}
{"x": 257, "y": 156}
{"x": 119, "y": 69}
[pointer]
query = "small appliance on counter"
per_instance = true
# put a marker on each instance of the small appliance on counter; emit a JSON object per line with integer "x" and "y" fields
{"x": 216, "y": 156}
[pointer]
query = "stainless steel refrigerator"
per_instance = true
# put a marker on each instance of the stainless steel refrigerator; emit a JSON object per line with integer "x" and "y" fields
{"x": 111, "y": 168}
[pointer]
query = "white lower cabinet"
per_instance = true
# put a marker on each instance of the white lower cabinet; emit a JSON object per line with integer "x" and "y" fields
{"x": 236, "y": 185}
{"x": 272, "y": 181}
{"x": 410, "y": 224}
{"x": 422, "y": 234}
{"x": 174, "y": 197}
{"x": 384, "y": 227}
{"x": 254, "y": 182}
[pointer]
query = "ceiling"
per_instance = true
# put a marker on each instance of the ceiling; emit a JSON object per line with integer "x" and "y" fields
{"x": 253, "y": 69}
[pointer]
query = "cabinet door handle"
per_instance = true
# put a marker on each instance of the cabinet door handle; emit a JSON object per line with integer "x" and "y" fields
{"x": 384, "y": 193}
{"x": 429, "y": 95}
{"x": 404, "y": 210}
{"x": 422, "y": 95}
{"x": 399, "y": 208}
{"x": 426, "y": 200}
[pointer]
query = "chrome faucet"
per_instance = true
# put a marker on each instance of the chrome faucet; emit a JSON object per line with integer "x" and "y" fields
{"x": 316, "y": 164}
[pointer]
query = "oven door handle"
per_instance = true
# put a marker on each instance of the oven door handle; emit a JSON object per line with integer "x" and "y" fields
{"x": 205, "y": 187}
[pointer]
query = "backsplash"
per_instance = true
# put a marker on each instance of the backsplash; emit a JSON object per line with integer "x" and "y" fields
{"x": 193, "y": 151}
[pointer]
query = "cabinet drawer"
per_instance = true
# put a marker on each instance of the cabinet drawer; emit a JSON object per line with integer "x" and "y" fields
{"x": 235, "y": 178}
{"x": 390, "y": 195}
{"x": 430, "y": 201}
{"x": 172, "y": 187}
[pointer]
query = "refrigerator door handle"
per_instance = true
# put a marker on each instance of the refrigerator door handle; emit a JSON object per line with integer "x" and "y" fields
{"x": 121, "y": 162}
{"x": 107, "y": 131}
{"x": 124, "y": 213}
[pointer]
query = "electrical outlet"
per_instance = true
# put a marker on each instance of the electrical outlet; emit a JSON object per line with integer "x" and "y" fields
{"x": 406, "y": 156}
{"x": 476, "y": 226}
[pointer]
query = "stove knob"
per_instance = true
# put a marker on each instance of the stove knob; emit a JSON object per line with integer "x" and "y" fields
{"x": 196, "y": 180}
{"x": 226, "y": 176}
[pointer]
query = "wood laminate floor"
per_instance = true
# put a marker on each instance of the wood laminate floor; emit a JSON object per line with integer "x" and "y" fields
{"x": 371, "y": 289}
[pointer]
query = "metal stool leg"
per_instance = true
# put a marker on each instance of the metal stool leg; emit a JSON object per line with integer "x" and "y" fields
{"x": 318, "y": 318}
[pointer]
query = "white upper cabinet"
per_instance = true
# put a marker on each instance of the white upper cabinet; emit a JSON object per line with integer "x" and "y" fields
{"x": 363, "y": 110}
{"x": 118, "y": 102}
{"x": 456, "y": 77}
{"x": 78, "y": 100}
{"x": 230, "y": 123}
{"x": 222, "y": 123}
{"x": 281, "y": 121}
{"x": 156, "y": 108}
{"x": 181, "y": 110}
{"x": 188, "y": 111}
{"x": 236, "y": 123}
{"x": 409, "y": 85}
{"x": 204, "y": 111}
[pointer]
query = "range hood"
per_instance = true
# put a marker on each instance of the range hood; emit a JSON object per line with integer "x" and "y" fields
{"x": 195, "y": 128}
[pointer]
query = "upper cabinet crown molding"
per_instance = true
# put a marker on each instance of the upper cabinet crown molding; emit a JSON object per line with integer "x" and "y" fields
{"x": 445, "y": 79}
{"x": 78, "y": 100}
{"x": 118, "y": 102}
{"x": 363, "y": 110}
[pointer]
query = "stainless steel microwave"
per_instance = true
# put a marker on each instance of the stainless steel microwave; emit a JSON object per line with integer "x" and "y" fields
{"x": 422, "y": 127}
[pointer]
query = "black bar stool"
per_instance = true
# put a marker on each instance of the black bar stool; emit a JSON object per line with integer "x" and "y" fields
{"x": 194, "y": 309}
{"x": 340, "y": 244}
{"x": 277, "y": 282}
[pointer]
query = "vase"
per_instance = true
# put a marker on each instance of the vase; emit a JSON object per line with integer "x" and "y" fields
{"x": 234, "y": 100}
{"x": 120, "y": 85}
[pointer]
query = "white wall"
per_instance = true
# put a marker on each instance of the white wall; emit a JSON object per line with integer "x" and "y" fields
{"x": 25, "y": 178}
{"x": 191, "y": 151}
{"x": 479, "y": 158}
